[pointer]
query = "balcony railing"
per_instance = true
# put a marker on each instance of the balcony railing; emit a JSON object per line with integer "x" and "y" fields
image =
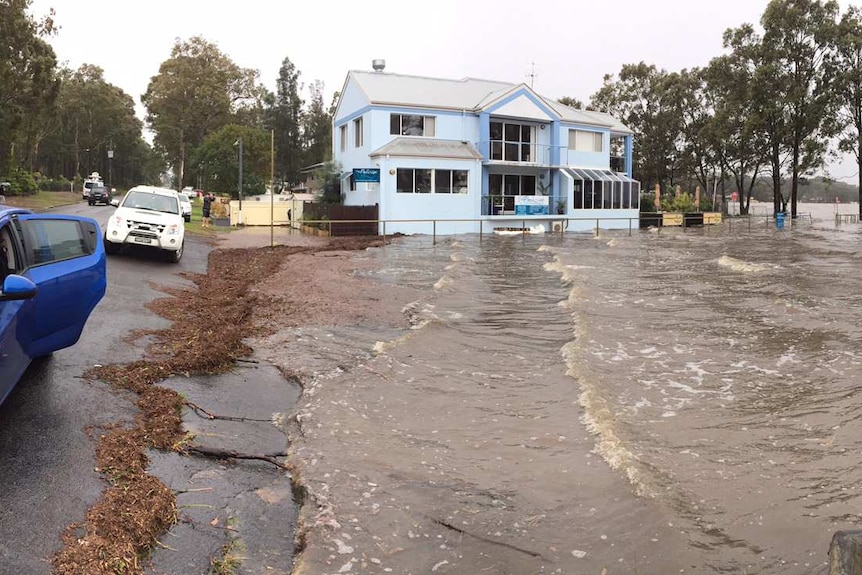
{"x": 519, "y": 152}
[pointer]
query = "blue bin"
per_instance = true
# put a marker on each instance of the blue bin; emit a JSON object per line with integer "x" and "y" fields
{"x": 779, "y": 220}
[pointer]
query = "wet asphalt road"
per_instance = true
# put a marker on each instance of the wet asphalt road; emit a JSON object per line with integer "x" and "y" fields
{"x": 47, "y": 478}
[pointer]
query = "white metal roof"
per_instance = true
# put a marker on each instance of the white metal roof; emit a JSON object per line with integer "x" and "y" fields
{"x": 428, "y": 148}
{"x": 470, "y": 94}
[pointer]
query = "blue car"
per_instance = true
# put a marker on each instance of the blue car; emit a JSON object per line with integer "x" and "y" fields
{"x": 52, "y": 273}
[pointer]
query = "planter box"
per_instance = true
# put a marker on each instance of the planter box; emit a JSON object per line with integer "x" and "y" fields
{"x": 711, "y": 218}
{"x": 221, "y": 222}
{"x": 692, "y": 219}
{"x": 671, "y": 219}
{"x": 648, "y": 220}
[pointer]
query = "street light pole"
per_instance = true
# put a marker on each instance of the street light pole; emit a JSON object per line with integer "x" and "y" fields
{"x": 110, "y": 169}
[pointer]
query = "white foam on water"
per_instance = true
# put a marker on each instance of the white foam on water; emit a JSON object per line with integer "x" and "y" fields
{"x": 743, "y": 266}
{"x": 600, "y": 421}
{"x": 443, "y": 282}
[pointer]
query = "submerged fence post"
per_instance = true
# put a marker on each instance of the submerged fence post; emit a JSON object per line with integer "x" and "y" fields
{"x": 434, "y": 230}
{"x": 480, "y": 231}
{"x": 384, "y": 232}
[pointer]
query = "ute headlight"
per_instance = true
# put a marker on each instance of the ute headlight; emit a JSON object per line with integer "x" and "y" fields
{"x": 173, "y": 230}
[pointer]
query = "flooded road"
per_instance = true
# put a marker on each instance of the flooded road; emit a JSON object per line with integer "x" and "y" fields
{"x": 713, "y": 373}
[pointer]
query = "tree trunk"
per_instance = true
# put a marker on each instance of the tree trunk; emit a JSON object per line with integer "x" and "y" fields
{"x": 859, "y": 172}
{"x": 794, "y": 182}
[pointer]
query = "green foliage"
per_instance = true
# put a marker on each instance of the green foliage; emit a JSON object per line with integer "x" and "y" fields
{"x": 45, "y": 184}
{"x": 217, "y": 160}
{"x": 22, "y": 183}
{"x": 682, "y": 203}
{"x": 317, "y": 128}
{"x": 647, "y": 203}
{"x": 330, "y": 173}
{"x": 287, "y": 122}
{"x": 29, "y": 85}
{"x": 197, "y": 91}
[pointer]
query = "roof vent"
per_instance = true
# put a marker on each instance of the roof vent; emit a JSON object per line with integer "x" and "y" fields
{"x": 378, "y": 64}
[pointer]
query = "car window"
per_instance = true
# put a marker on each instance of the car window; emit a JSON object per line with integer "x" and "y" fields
{"x": 47, "y": 241}
{"x": 8, "y": 253}
{"x": 154, "y": 202}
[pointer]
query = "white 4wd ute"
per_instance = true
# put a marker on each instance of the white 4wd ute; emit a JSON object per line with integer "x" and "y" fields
{"x": 147, "y": 216}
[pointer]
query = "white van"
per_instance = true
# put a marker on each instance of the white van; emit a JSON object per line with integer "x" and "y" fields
{"x": 93, "y": 179}
{"x": 148, "y": 216}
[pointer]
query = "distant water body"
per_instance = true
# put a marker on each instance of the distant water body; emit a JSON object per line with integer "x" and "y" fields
{"x": 719, "y": 369}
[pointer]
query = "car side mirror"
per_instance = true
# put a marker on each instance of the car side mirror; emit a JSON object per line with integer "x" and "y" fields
{"x": 17, "y": 287}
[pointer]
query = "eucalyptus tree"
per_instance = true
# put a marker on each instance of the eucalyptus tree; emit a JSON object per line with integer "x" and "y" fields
{"x": 699, "y": 159}
{"x": 571, "y": 102}
{"x": 848, "y": 64}
{"x": 798, "y": 78}
{"x": 316, "y": 128}
{"x": 644, "y": 98}
{"x": 736, "y": 130}
{"x": 29, "y": 84}
{"x": 217, "y": 156}
{"x": 197, "y": 90}
{"x": 287, "y": 117}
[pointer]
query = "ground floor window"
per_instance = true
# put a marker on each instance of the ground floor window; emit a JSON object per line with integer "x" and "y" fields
{"x": 426, "y": 181}
{"x": 503, "y": 188}
{"x": 511, "y": 185}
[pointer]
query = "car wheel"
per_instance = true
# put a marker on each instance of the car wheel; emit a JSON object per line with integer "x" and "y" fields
{"x": 176, "y": 255}
{"x": 187, "y": 218}
{"x": 111, "y": 248}
{"x": 91, "y": 202}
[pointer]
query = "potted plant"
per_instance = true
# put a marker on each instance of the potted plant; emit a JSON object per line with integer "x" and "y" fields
{"x": 561, "y": 206}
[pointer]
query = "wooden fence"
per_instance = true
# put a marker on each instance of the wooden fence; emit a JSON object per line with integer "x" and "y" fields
{"x": 335, "y": 212}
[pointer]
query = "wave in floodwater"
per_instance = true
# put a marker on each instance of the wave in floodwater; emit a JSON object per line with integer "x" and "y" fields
{"x": 719, "y": 371}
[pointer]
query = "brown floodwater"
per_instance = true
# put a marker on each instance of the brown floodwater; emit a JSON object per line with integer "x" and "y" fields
{"x": 716, "y": 370}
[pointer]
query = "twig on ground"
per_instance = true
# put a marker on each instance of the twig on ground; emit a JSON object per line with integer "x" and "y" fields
{"x": 487, "y": 539}
{"x": 198, "y": 410}
{"x": 230, "y": 454}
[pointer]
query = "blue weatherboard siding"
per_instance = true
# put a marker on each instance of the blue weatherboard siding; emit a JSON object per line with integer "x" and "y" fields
{"x": 485, "y": 136}
{"x": 629, "y": 154}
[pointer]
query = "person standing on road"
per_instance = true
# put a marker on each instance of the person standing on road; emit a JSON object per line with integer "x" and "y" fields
{"x": 208, "y": 202}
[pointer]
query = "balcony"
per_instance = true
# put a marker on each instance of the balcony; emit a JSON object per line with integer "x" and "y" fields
{"x": 518, "y": 153}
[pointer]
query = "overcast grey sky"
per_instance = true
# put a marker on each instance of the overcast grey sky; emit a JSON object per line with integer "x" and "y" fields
{"x": 572, "y": 43}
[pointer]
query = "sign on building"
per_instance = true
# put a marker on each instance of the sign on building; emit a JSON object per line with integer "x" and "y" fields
{"x": 366, "y": 175}
{"x": 531, "y": 205}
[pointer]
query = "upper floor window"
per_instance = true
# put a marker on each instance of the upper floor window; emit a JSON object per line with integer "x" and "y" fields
{"x": 412, "y": 125}
{"x": 357, "y": 132}
{"x": 343, "y": 136}
{"x": 586, "y": 141}
{"x": 512, "y": 142}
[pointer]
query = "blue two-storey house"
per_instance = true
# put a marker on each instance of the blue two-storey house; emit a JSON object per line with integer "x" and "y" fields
{"x": 479, "y": 155}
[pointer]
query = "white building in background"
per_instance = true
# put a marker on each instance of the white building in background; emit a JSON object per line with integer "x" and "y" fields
{"x": 488, "y": 152}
